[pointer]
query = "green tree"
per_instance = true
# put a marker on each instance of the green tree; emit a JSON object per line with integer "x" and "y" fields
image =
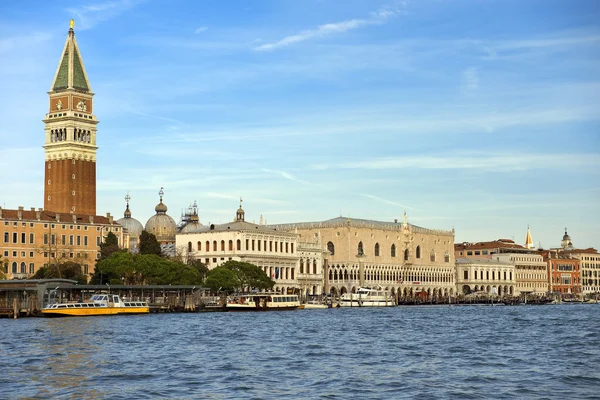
{"x": 67, "y": 270}
{"x": 3, "y": 268}
{"x": 249, "y": 275}
{"x": 109, "y": 246}
{"x": 222, "y": 279}
{"x": 148, "y": 244}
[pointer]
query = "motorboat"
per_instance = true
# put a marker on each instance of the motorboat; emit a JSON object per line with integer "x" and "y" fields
{"x": 98, "y": 304}
{"x": 262, "y": 302}
{"x": 367, "y": 297}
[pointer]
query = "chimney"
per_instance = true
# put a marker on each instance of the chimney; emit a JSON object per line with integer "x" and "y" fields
{"x": 110, "y": 218}
{"x": 57, "y": 217}
{"x": 0, "y": 212}
{"x": 395, "y": 220}
{"x": 38, "y": 214}
{"x": 20, "y": 213}
{"x": 91, "y": 219}
{"x": 74, "y": 218}
{"x": 32, "y": 208}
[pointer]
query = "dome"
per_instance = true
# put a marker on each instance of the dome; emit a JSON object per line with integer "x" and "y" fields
{"x": 133, "y": 226}
{"x": 192, "y": 227}
{"x": 161, "y": 225}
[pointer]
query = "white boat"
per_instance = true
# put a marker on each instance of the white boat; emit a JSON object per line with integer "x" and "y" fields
{"x": 367, "y": 297}
{"x": 262, "y": 302}
{"x": 98, "y": 304}
{"x": 313, "y": 305}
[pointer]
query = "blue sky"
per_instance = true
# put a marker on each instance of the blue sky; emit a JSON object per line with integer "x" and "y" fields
{"x": 482, "y": 115}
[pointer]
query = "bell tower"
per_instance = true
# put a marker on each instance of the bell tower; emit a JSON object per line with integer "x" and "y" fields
{"x": 70, "y": 146}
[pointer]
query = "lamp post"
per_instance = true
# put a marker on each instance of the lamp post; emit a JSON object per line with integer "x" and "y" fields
{"x": 361, "y": 267}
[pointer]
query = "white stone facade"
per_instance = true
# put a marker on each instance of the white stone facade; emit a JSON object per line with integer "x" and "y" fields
{"x": 531, "y": 272}
{"x": 484, "y": 275}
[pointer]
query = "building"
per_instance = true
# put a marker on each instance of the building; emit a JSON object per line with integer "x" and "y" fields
{"x": 589, "y": 264}
{"x": 70, "y": 147}
{"x": 485, "y": 275}
{"x": 564, "y": 275}
{"x": 405, "y": 259}
{"x": 34, "y": 238}
{"x": 278, "y": 253}
{"x": 163, "y": 226}
{"x": 531, "y": 275}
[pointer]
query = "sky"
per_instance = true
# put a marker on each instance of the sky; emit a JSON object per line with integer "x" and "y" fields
{"x": 477, "y": 115}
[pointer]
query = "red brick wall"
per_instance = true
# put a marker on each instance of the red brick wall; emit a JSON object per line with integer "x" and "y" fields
{"x": 59, "y": 186}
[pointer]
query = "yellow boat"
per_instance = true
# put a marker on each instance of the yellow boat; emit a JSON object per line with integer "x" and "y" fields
{"x": 99, "y": 304}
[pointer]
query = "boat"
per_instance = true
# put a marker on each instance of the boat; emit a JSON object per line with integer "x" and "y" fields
{"x": 315, "y": 302}
{"x": 98, "y": 304}
{"x": 263, "y": 302}
{"x": 367, "y": 297}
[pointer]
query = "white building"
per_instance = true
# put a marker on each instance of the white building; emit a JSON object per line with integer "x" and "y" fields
{"x": 485, "y": 275}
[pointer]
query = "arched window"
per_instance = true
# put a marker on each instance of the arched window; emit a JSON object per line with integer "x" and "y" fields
{"x": 231, "y": 245}
{"x": 361, "y": 250}
{"x": 418, "y": 251}
{"x": 14, "y": 267}
{"x": 207, "y": 245}
{"x": 23, "y": 268}
{"x": 199, "y": 245}
{"x": 314, "y": 267}
{"x": 446, "y": 256}
{"x": 214, "y": 245}
{"x": 376, "y": 249}
{"x": 189, "y": 247}
{"x": 239, "y": 244}
{"x": 393, "y": 250}
{"x": 330, "y": 248}
{"x": 432, "y": 256}
{"x": 406, "y": 255}
{"x": 301, "y": 266}
{"x": 222, "y": 245}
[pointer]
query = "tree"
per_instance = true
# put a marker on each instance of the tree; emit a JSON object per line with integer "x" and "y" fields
{"x": 109, "y": 246}
{"x": 57, "y": 252}
{"x": 222, "y": 279}
{"x": 3, "y": 268}
{"x": 249, "y": 275}
{"x": 67, "y": 270}
{"x": 148, "y": 244}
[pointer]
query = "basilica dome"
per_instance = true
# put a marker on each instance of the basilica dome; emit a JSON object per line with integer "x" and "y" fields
{"x": 193, "y": 224}
{"x": 162, "y": 225}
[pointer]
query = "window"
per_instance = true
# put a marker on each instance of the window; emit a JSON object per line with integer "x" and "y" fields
{"x": 239, "y": 244}
{"x": 53, "y": 239}
{"x": 314, "y": 266}
{"x": 45, "y": 238}
{"x": 291, "y": 247}
{"x": 231, "y": 245}
{"x": 78, "y": 240}
{"x": 469, "y": 253}
{"x": 222, "y": 245}
{"x": 484, "y": 252}
{"x": 199, "y": 246}
{"x": 361, "y": 251}
{"x": 253, "y": 244}
{"x": 14, "y": 267}
{"x": 466, "y": 274}
{"x": 418, "y": 251}
{"x": 259, "y": 245}
{"x": 31, "y": 254}
{"x": 446, "y": 257}
{"x": 23, "y": 237}
{"x": 189, "y": 247}
{"x": 15, "y": 237}
{"x": 477, "y": 252}
{"x": 432, "y": 256}
{"x": 393, "y": 251}
{"x": 376, "y": 249}
{"x": 31, "y": 268}
{"x": 215, "y": 247}
{"x": 63, "y": 239}
{"x": 6, "y": 237}
{"x": 31, "y": 238}
{"x": 330, "y": 248}
{"x": 23, "y": 268}
{"x": 286, "y": 247}
{"x": 406, "y": 255}
{"x": 207, "y": 245}
{"x": 86, "y": 270}
{"x": 85, "y": 240}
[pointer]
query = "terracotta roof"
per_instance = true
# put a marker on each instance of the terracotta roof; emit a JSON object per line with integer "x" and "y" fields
{"x": 500, "y": 243}
{"x": 31, "y": 216}
{"x": 590, "y": 250}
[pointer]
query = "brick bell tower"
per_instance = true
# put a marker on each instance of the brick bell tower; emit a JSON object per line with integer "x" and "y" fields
{"x": 70, "y": 148}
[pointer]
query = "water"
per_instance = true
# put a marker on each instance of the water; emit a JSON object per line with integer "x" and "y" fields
{"x": 438, "y": 352}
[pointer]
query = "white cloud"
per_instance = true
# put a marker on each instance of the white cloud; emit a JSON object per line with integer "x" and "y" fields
{"x": 470, "y": 81}
{"x": 285, "y": 175}
{"x": 201, "y": 29}
{"x": 386, "y": 201}
{"x": 505, "y": 162}
{"x": 376, "y": 17}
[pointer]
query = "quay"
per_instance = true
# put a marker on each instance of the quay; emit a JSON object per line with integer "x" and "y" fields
{"x": 25, "y": 298}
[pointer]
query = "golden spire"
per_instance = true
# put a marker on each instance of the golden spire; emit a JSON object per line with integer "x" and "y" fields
{"x": 528, "y": 240}
{"x": 71, "y": 23}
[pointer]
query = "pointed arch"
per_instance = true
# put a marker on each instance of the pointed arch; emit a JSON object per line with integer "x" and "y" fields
{"x": 376, "y": 249}
{"x": 418, "y": 252}
{"x": 393, "y": 250}
{"x": 360, "y": 249}
{"x": 331, "y": 248}
{"x": 406, "y": 255}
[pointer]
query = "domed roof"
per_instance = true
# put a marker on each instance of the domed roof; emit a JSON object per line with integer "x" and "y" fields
{"x": 132, "y": 225}
{"x": 161, "y": 225}
{"x": 192, "y": 227}
{"x": 566, "y": 236}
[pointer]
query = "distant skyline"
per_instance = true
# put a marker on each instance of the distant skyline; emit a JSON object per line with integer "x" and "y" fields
{"x": 482, "y": 115}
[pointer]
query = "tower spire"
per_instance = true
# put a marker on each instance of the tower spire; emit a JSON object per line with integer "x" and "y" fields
{"x": 70, "y": 137}
{"x": 528, "y": 240}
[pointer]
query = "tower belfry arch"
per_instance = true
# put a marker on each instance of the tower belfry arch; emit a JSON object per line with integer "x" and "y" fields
{"x": 70, "y": 137}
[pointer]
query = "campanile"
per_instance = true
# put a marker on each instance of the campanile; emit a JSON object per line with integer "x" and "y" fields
{"x": 70, "y": 146}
